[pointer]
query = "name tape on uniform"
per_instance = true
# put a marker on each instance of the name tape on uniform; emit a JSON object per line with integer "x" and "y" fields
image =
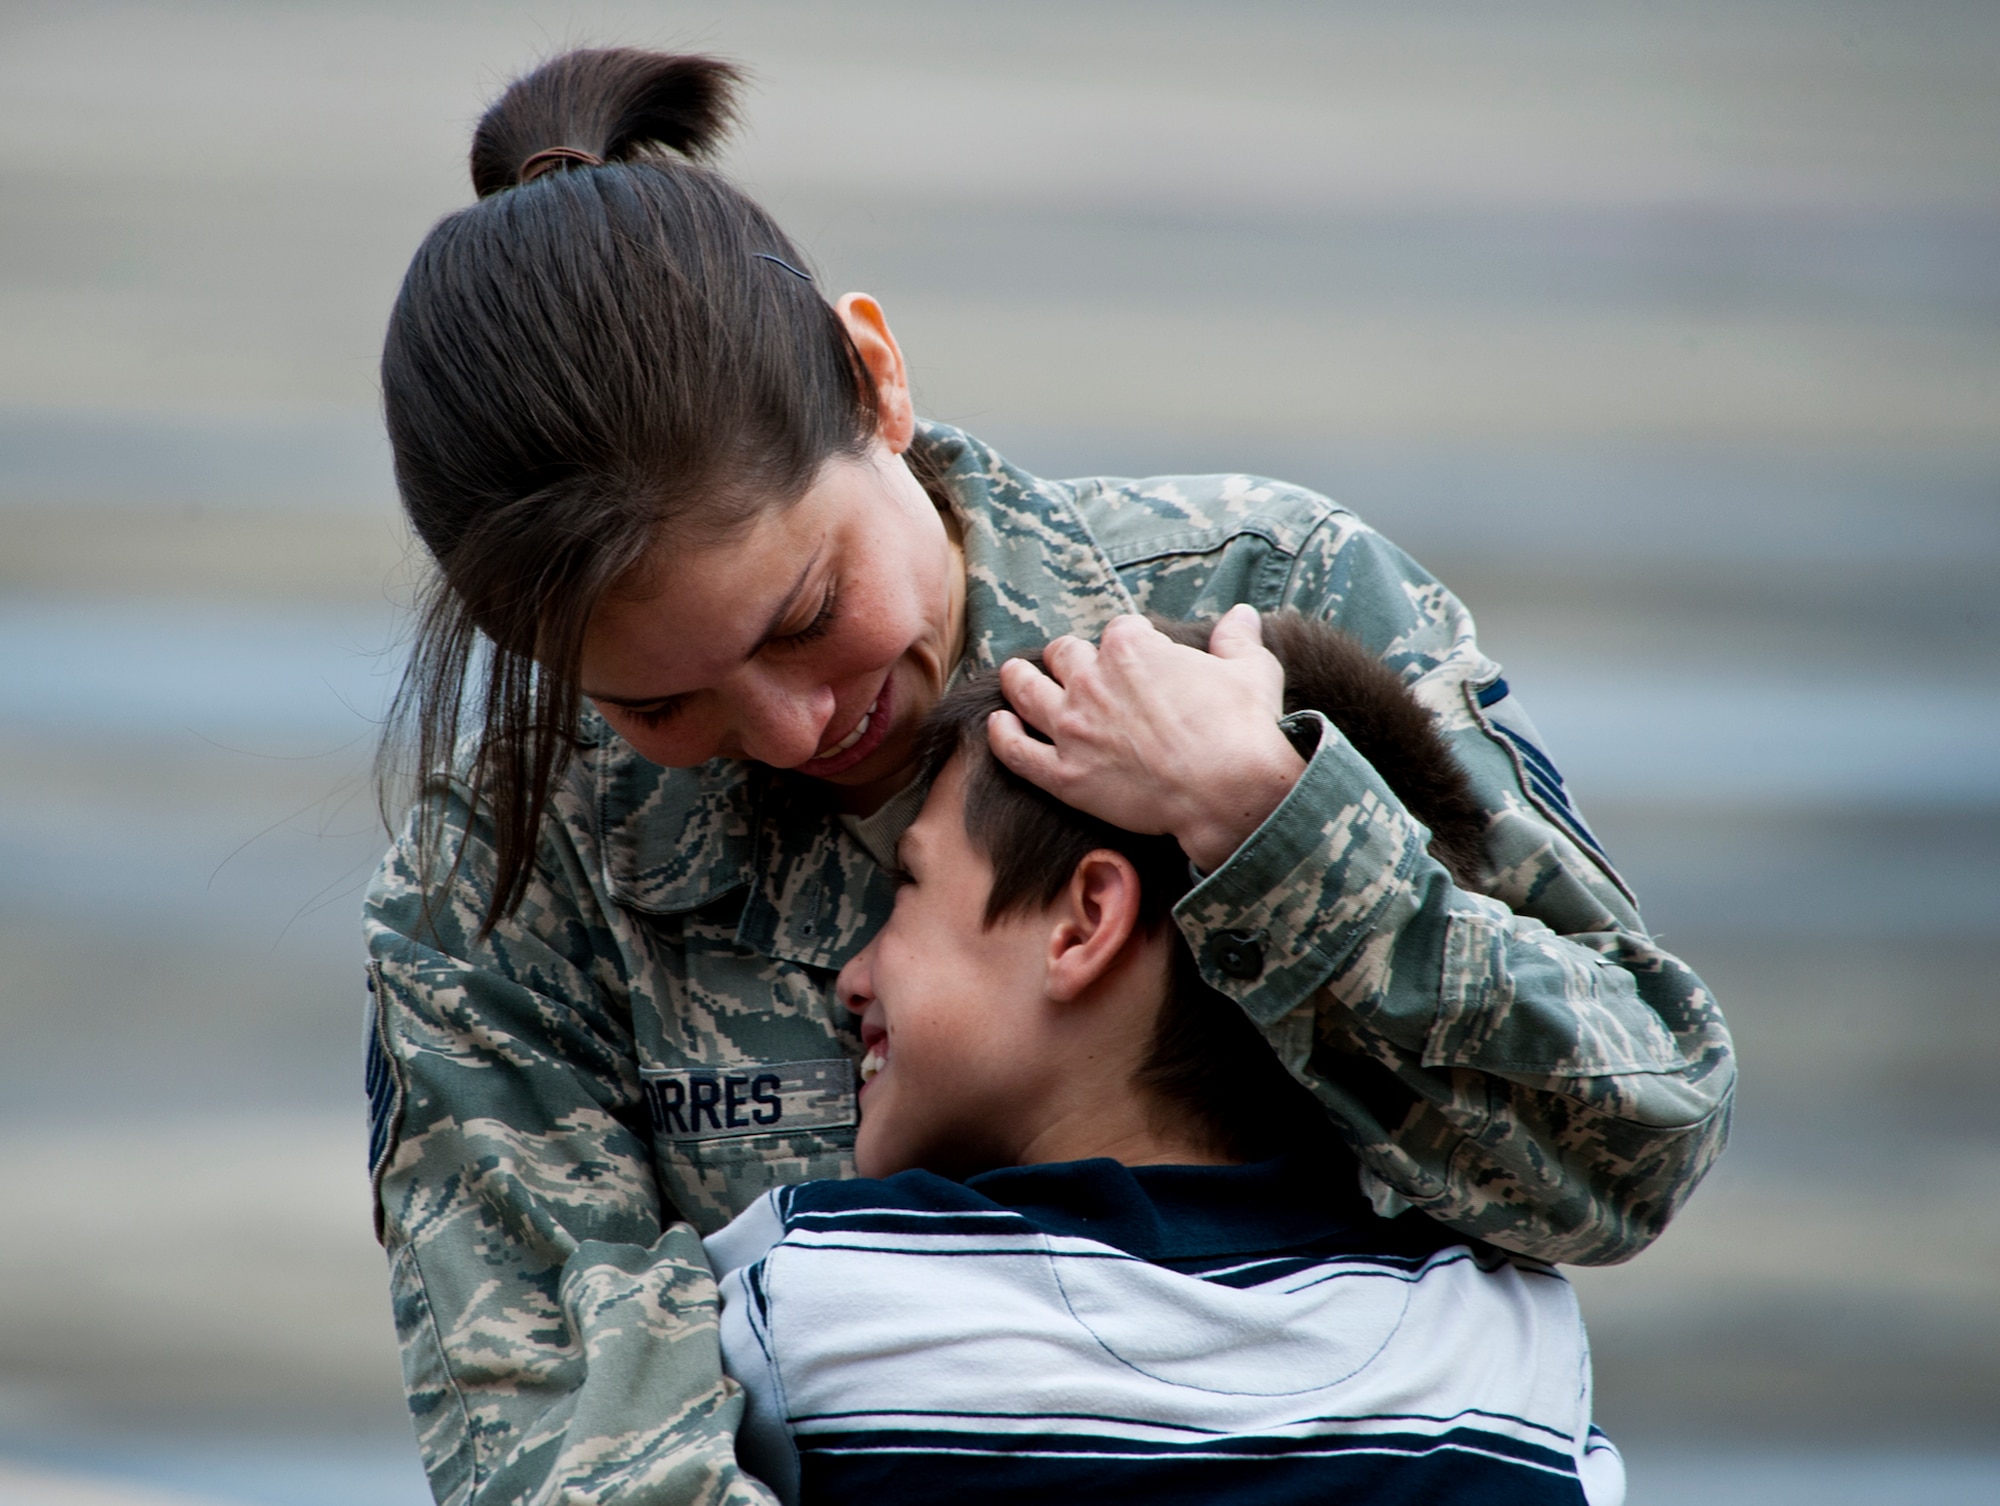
{"x": 709, "y": 1103}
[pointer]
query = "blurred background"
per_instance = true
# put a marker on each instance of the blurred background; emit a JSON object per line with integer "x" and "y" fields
{"x": 1669, "y": 335}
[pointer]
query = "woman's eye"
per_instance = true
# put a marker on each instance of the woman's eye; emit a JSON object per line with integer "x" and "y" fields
{"x": 654, "y": 717}
{"x": 817, "y": 628}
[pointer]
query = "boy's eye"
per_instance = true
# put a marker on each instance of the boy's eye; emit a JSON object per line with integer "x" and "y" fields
{"x": 902, "y": 878}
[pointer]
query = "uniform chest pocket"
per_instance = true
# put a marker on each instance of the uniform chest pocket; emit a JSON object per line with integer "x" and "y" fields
{"x": 724, "y": 1136}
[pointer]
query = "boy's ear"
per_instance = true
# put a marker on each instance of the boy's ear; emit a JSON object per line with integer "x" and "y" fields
{"x": 1094, "y": 917}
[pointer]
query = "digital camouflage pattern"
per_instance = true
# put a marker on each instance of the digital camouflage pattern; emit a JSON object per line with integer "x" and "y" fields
{"x": 653, "y": 1036}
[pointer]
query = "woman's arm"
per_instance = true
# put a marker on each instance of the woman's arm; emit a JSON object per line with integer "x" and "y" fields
{"x": 1558, "y": 1094}
{"x": 558, "y": 1328}
{"x": 1523, "y": 1064}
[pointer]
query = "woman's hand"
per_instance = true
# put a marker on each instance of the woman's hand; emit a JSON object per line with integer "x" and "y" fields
{"x": 1153, "y": 736}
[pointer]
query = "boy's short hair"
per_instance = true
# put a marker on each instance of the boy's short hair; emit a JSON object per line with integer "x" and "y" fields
{"x": 1207, "y": 1059}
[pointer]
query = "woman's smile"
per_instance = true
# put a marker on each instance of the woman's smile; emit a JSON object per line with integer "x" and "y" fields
{"x": 865, "y": 737}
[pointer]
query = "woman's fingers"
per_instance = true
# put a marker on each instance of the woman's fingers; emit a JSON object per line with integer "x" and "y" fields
{"x": 1151, "y": 735}
{"x": 1021, "y": 751}
{"x": 1237, "y": 632}
{"x": 1238, "y": 636}
{"x": 1068, "y": 656}
{"x": 1031, "y": 692}
{"x": 1072, "y": 673}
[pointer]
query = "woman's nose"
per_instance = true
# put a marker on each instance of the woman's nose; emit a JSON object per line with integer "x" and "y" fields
{"x": 781, "y": 726}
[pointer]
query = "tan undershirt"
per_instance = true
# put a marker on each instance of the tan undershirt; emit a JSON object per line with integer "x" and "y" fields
{"x": 880, "y": 832}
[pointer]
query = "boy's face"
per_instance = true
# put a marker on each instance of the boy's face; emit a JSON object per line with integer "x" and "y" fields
{"x": 950, "y": 1009}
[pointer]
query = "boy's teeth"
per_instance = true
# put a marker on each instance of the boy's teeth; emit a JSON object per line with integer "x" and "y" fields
{"x": 871, "y": 1063}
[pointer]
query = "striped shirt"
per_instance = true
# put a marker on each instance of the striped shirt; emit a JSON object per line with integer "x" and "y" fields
{"x": 1167, "y": 1334}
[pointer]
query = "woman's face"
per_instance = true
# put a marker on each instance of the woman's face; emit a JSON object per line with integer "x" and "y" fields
{"x": 815, "y": 640}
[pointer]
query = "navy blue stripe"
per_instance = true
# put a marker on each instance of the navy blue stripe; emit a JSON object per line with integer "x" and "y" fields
{"x": 1233, "y": 1445}
{"x": 1348, "y": 1418}
{"x": 1341, "y": 1246}
{"x": 379, "y": 1078}
{"x": 1492, "y": 695}
{"x": 1559, "y": 799}
{"x": 862, "y": 1217}
{"x": 1269, "y": 1272}
{"x": 1360, "y": 1267}
{"x": 1432, "y": 1473}
{"x": 1137, "y": 1422}
{"x": 1544, "y": 781}
{"x": 1547, "y": 788}
{"x": 1554, "y": 794}
{"x": 896, "y": 1221}
{"x": 1032, "y": 1252}
{"x": 1263, "y": 1273}
{"x": 1334, "y": 1252}
{"x": 1407, "y": 1275}
{"x": 1537, "y": 759}
{"x": 1562, "y": 1438}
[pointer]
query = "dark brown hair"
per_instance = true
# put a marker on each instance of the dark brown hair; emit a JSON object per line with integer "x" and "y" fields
{"x": 580, "y": 368}
{"x": 1207, "y": 1061}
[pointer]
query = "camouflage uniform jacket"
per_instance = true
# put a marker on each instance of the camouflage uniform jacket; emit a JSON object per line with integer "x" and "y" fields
{"x": 651, "y": 1041}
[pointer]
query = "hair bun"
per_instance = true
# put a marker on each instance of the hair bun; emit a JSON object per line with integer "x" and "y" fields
{"x": 612, "y": 103}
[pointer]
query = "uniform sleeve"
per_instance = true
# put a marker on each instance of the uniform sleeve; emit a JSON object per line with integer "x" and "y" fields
{"x": 558, "y": 1327}
{"x": 1524, "y": 1064}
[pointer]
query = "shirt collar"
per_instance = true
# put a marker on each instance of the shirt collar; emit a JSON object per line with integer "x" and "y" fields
{"x": 1171, "y": 1213}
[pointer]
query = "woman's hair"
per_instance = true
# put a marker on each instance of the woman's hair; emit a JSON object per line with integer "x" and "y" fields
{"x": 610, "y": 350}
{"x": 1207, "y": 1061}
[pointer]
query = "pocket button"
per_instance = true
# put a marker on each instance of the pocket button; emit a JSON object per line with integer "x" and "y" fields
{"x": 1237, "y": 954}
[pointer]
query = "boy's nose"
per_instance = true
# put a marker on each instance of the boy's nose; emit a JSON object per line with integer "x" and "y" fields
{"x": 853, "y": 987}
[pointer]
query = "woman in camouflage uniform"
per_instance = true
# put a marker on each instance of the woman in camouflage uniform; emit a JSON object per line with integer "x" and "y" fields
{"x": 700, "y": 573}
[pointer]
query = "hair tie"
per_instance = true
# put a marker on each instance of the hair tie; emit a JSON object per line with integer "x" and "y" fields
{"x": 550, "y": 157}
{"x": 779, "y": 261}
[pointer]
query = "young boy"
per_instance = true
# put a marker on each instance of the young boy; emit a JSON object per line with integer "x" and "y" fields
{"x": 1115, "y": 1248}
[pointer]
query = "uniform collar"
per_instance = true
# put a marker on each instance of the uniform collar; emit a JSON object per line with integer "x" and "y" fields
{"x": 675, "y": 840}
{"x": 1032, "y": 568}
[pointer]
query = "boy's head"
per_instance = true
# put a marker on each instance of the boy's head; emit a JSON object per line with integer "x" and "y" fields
{"x": 1031, "y": 998}
{"x": 1001, "y": 1033}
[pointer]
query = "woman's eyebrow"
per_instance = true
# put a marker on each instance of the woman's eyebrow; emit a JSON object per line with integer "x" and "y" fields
{"x": 774, "y": 628}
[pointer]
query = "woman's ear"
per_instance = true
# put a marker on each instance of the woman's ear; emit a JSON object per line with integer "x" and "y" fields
{"x": 1094, "y": 917}
{"x": 896, "y": 414}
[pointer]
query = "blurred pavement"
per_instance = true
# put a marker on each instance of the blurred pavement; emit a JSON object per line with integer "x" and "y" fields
{"x": 1669, "y": 337}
